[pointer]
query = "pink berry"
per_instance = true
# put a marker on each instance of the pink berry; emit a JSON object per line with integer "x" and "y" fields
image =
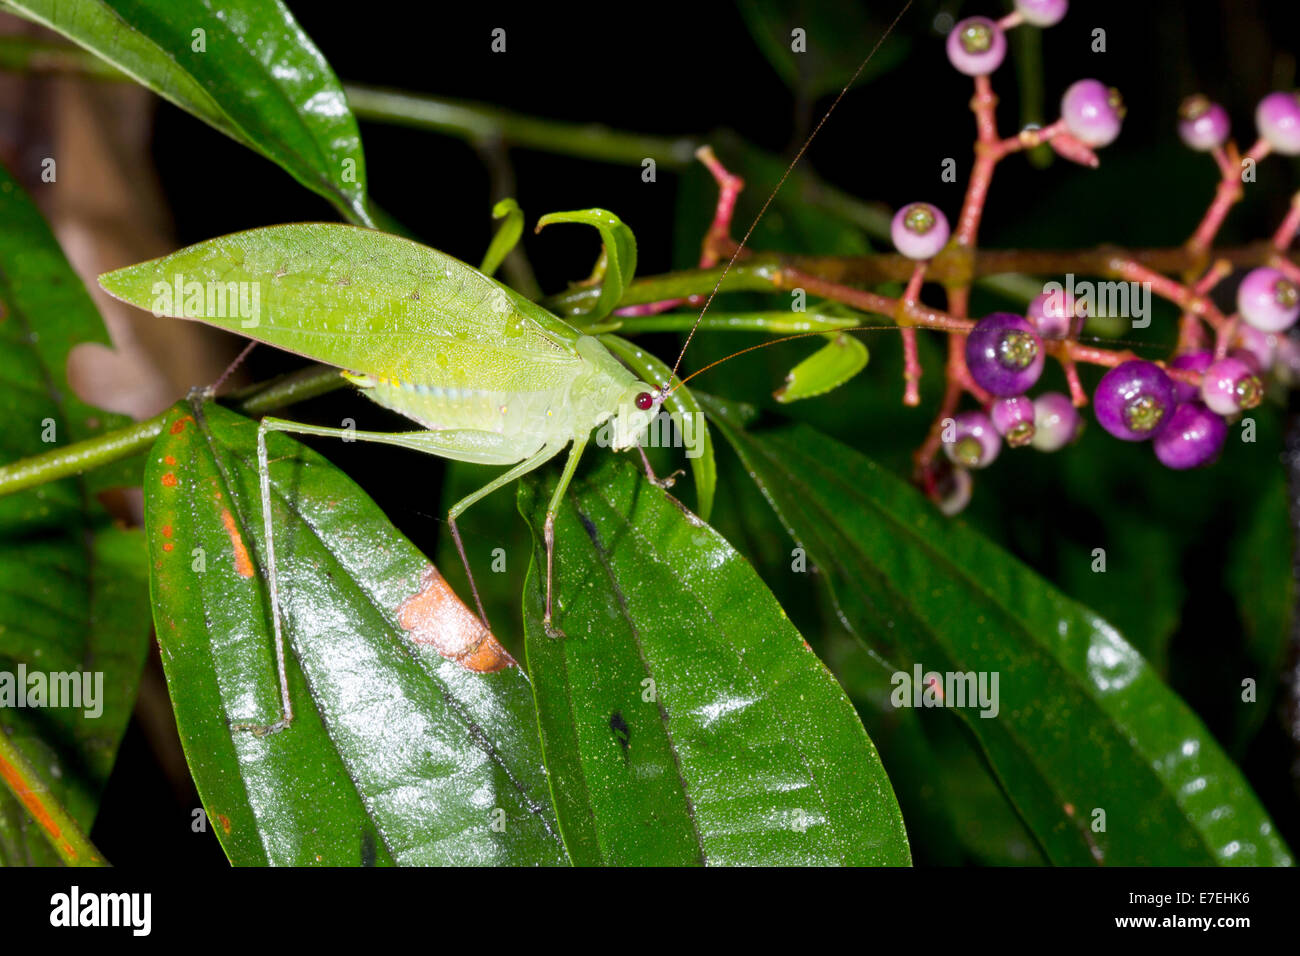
{"x": 1229, "y": 386}
{"x": 973, "y": 441}
{"x": 1056, "y": 422}
{"x": 1042, "y": 13}
{"x": 1203, "y": 125}
{"x": 952, "y": 489}
{"x": 919, "y": 230}
{"x": 1260, "y": 346}
{"x": 977, "y": 46}
{"x": 1278, "y": 120}
{"x": 1013, "y": 418}
{"x": 1268, "y": 300}
{"x": 1093, "y": 112}
{"x": 1054, "y": 315}
{"x": 1286, "y": 361}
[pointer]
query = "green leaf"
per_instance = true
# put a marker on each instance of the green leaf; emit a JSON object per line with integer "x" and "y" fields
{"x": 397, "y": 753}
{"x": 836, "y": 39}
{"x": 687, "y": 416}
{"x": 72, "y": 588}
{"x": 683, "y": 718}
{"x": 843, "y": 357}
{"x": 1083, "y": 722}
{"x": 247, "y": 69}
{"x": 619, "y": 254}
{"x": 506, "y": 238}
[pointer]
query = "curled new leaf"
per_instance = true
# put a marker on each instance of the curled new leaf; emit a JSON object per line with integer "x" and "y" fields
{"x": 619, "y": 254}
{"x": 506, "y": 238}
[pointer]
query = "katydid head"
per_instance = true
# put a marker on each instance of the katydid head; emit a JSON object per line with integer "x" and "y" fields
{"x": 637, "y": 407}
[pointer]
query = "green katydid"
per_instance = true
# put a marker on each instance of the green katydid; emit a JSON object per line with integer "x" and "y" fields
{"x": 491, "y": 377}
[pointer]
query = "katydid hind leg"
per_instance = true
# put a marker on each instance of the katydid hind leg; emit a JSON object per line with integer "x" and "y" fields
{"x": 472, "y": 449}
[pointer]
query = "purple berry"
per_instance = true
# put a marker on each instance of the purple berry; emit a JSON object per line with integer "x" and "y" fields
{"x": 1054, "y": 315}
{"x": 1197, "y": 361}
{"x": 977, "y": 46}
{"x": 1278, "y": 120}
{"x": 1092, "y": 112}
{"x": 1192, "y": 438}
{"x": 919, "y": 230}
{"x": 1268, "y": 300}
{"x": 1042, "y": 13}
{"x": 1014, "y": 419}
{"x": 1203, "y": 125}
{"x": 1260, "y": 346}
{"x": 1056, "y": 421}
{"x": 1004, "y": 354}
{"x": 1231, "y": 385}
{"x": 1133, "y": 400}
{"x": 971, "y": 440}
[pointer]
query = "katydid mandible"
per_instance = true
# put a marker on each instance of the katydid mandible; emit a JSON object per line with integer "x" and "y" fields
{"x": 490, "y": 377}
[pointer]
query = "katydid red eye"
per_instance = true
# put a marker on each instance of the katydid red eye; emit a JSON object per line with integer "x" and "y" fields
{"x": 644, "y": 401}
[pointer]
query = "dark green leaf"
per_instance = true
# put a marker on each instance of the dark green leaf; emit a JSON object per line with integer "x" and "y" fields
{"x": 619, "y": 254}
{"x": 247, "y": 69}
{"x": 403, "y": 749}
{"x": 72, "y": 588}
{"x": 836, "y": 38}
{"x": 683, "y": 719}
{"x": 1083, "y": 724}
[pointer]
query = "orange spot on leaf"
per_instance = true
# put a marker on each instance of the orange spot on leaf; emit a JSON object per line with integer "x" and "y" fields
{"x": 169, "y": 480}
{"x": 167, "y": 531}
{"x": 170, "y": 459}
{"x": 435, "y": 616}
{"x": 243, "y": 563}
{"x": 224, "y": 821}
{"x": 168, "y": 546}
{"x": 178, "y": 426}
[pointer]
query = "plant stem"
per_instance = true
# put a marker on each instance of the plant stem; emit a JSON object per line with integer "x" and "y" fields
{"x": 124, "y": 442}
{"x": 70, "y": 843}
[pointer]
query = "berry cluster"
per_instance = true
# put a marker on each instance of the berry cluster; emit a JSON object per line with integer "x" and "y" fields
{"x": 1182, "y": 406}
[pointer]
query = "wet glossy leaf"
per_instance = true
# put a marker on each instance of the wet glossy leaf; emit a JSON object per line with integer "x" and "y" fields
{"x": 843, "y": 357}
{"x": 1082, "y": 725}
{"x": 247, "y": 69}
{"x": 414, "y": 738}
{"x": 506, "y": 238}
{"x": 619, "y": 254}
{"x": 72, "y": 588}
{"x": 688, "y": 419}
{"x": 683, "y": 718}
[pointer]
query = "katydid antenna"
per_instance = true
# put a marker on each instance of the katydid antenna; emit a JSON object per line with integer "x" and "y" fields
{"x": 781, "y": 182}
